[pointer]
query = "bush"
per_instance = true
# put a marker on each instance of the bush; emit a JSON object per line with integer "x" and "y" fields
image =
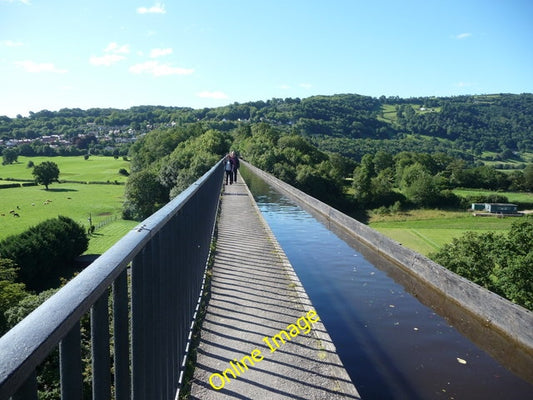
{"x": 46, "y": 252}
{"x": 500, "y": 263}
{"x": 448, "y": 199}
{"x": 492, "y": 198}
{"x": 9, "y": 185}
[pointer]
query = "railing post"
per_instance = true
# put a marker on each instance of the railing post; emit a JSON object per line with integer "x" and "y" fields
{"x": 174, "y": 299}
{"x": 70, "y": 365}
{"x": 100, "y": 348}
{"x": 138, "y": 326}
{"x": 155, "y": 331}
{"x": 28, "y": 390}
{"x": 165, "y": 286}
{"x": 121, "y": 337}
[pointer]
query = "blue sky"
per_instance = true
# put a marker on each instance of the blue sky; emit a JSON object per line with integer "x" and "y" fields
{"x": 206, "y": 53}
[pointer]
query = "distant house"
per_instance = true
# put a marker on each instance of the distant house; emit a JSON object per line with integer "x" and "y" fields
{"x": 478, "y": 206}
{"x": 502, "y": 208}
{"x": 495, "y": 208}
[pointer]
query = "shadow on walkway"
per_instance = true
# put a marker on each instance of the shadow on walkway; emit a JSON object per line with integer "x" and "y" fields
{"x": 254, "y": 295}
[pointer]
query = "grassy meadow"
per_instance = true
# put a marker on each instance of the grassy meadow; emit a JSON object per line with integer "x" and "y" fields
{"x": 513, "y": 197}
{"x": 101, "y": 202}
{"x": 95, "y": 169}
{"x": 426, "y": 231}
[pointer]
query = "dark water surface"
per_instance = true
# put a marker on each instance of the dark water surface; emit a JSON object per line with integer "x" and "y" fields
{"x": 392, "y": 345}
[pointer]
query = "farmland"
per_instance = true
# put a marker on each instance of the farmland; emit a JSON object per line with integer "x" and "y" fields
{"x": 94, "y": 169}
{"x": 100, "y": 202}
{"x": 426, "y": 231}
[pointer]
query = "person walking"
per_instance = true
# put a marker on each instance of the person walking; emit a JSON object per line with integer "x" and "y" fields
{"x": 228, "y": 168}
{"x": 236, "y": 165}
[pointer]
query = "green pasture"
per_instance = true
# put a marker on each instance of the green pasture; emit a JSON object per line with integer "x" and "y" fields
{"x": 101, "y": 202}
{"x": 34, "y": 204}
{"x": 516, "y": 197}
{"x": 389, "y": 113}
{"x": 94, "y": 169}
{"x": 427, "y": 231}
{"x": 102, "y": 239}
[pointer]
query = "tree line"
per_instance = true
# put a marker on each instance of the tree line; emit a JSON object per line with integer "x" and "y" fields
{"x": 349, "y": 124}
{"x": 166, "y": 161}
{"x": 427, "y": 180}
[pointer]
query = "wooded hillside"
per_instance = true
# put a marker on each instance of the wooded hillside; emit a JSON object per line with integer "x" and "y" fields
{"x": 349, "y": 124}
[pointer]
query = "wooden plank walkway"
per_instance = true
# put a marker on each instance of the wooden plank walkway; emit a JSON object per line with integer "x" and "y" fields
{"x": 255, "y": 295}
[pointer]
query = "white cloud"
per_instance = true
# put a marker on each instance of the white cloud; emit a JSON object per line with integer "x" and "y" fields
{"x": 106, "y": 60}
{"x": 156, "y": 69}
{"x": 285, "y": 87}
{"x": 305, "y": 85}
{"x": 11, "y": 43}
{"x": 212, "y": 95}
{"x": 114, "y": 54}
{"x": 27, "y": 2}
{"x": 154, "y": 53}
{"x": 463, "y": 35}
{"x": 157, "y": 8}
{"x": 464, "y": 84}
{"x": 117, "y": 49}
{"x": 34, "y": 67}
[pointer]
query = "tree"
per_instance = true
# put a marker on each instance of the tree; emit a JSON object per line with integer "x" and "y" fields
{"x": 25, "y": 306}
{"x": 472, "y": 257}
{"x": 418, "y": 185}
{"x": 515, "y": 264}
{"x": 46, "y": 173}
{"x": 528, "y": 177}
{"x": 10, "y": 291}
{"x": 500, "y": 263}
{"x": 144, "y": 195}
{"x": 362, "y": 180}
{"x": 10, "y": 156}
{"x": 382, "y": 160}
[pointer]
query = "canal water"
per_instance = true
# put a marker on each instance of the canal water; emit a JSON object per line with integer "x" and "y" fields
{"x": 392, "y": 345}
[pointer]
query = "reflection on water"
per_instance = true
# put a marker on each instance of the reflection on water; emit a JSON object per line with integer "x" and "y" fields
{"x": 392, "y": 345}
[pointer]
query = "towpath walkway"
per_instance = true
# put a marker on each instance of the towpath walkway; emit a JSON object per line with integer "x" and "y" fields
{"x": 255, "y": 294}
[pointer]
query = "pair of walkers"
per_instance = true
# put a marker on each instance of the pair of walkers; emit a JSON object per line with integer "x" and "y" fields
{"x": 231, "y": 165}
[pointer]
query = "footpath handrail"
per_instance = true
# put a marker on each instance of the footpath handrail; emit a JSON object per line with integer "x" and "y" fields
{"x": 156, "y": 273}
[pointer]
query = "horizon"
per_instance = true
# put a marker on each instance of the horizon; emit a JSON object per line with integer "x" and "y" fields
{"x": 56, "y": 54}
{"x": 257, "y": 100}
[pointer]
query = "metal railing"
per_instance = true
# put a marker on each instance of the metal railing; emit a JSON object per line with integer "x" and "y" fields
{"x": 153, "y": 277}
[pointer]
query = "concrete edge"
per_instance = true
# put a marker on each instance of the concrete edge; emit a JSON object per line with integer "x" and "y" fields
{"x": 510, "y": 319}
{"x": 319, "y": 330}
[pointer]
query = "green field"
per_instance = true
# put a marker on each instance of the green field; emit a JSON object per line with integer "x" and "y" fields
{"x": 390, "y": 114}
{"x": 95, "y": 169}
{"x": 101, "y": 202}
{"x": 426, "y": 231}
{"x": 106, "y": 236}
{"x": 513, "y": 197}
